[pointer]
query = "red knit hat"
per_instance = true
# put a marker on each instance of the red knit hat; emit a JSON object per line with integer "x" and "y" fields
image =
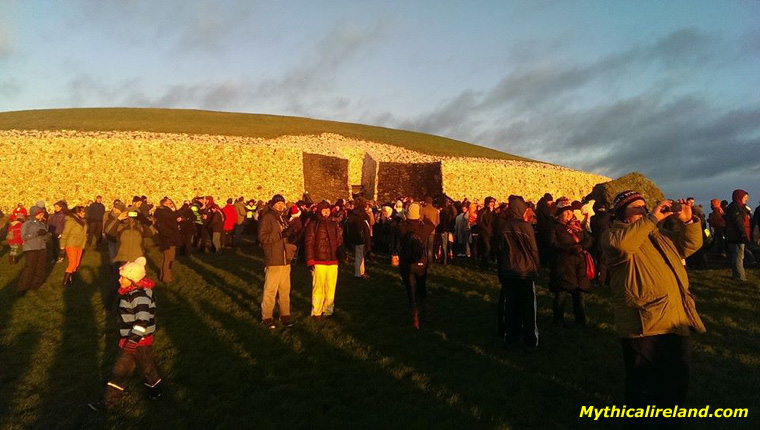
{"x": 294, "y": 210}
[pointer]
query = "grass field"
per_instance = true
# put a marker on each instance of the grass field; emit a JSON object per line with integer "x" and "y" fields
{"x": 235, "y": 124}
{"x": 366, "y": 368}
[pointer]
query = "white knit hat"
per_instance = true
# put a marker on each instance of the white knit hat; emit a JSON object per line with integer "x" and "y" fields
{"x": 134, "y": 271}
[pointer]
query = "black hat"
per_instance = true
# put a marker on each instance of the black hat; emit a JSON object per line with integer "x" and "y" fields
{"x": 277, "y": 198}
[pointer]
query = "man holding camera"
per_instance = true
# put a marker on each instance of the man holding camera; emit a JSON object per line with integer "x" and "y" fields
{"x": 654, "y": 309}
{"x": 273, "y": 235}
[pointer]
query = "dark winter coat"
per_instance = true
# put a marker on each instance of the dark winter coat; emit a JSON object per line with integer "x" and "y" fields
{"x": 418, "y": 227}
{"x": 273, "y": 236}
{"x": 485, "y": 222}
{"x": 216, "y": 223}
{"x": 516, "y": 248}
{"x": 322, "y": 239}
{"x": 168, "y": 228}
{"x": 568, "y": 270}
{"x": 358, "y": 229}
{"x": 56, "y": 223}
{"x": 96, "y": 212}
{"x": 737, "y": 223}
{"x": 187, "y": 224}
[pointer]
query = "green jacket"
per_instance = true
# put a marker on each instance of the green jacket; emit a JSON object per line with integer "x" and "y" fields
{"x": 649, "y": 284}
{"x": 74, "y": 234}
{"x": 129, "y": 235}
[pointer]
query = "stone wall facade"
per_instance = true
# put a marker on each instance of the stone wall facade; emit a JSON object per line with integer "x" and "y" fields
{"x": 77, "y": 166}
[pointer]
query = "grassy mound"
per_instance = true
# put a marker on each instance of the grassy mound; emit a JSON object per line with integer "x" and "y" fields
{"x": 606, "y": 192}
{"x": 235, "y": 124}
{"x": 366, "y": 368}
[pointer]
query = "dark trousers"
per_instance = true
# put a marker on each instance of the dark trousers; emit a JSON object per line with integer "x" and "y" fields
{"x": 560, "y": 299}
{"x": 187, "y": 244}
{"x": 237, "y": 234}
{"x": 657, "y": 374}
{"x": 415, "y": 284}
{"x": 484, "y": 251}
{"x": 431, "y": 247}
{"x": 517, "y": 311}
{"x": 166, "y": 264}
{"x": 125, "y": 365}
{"x": 33, "y": 275}
{"x": 201, "y": 237}
{"x": 94, "y": 228}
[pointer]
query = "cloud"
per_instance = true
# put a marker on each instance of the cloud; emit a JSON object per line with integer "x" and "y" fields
{"x": 6, "y": 44}
{"x": 640, "y": 109}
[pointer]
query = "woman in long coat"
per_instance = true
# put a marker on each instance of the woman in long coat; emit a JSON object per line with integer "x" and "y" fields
{"x": 569, "y": 243}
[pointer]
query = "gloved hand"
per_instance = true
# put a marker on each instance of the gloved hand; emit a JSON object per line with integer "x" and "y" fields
{"x": 130, "y": 347}
{"x": 41, "y": 232}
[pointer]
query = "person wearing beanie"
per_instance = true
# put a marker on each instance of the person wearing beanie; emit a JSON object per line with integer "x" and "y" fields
{"x": 359, "y": 236}
{"x": 544, "y": 224}
{"x": 517, "y": 263}
{"x": 569, "y": 243}
{"x": 322, "y": 241}
{"x": 738, "y": 232}
{"x": 73, "y": 241}
{"x": 137, "y": 325}
{"x": 168, "y": 237}
{"x": 34, "y": 232}
{"x": 413, "y": 262}
{"x": 273, "y": 235}
{"x": 56, "y": 224}
{"x": 654, "y": 309}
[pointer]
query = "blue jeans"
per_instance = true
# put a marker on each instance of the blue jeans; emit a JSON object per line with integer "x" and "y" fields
{"x": 737, "y": 261}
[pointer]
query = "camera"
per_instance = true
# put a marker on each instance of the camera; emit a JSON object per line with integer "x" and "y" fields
{"x": 675, "y": 207}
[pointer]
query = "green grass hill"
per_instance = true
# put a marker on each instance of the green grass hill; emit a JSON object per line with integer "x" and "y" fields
{"x": 234, "y": 124}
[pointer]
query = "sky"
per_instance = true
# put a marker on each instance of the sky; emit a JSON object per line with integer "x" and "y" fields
{"x": 670, "y": 89}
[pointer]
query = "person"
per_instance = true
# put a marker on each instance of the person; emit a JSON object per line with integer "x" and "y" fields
{"x": 322, "y": 240}
{"x": 569, "y": 242}
{"x": 413, "y": 262}
{"x": 56, "y": 223}
{"x": 73, "y": 241}
{"x": 654, "y": 309}
{"x": 95, "y": 214}
{"x": 13, "y": 237}
{"x": 111, "y": 240}
{"x": 273, "y": 236}
{"x": 129, "y": 228}
{"x": 737, "y": 232}
{"x": 446, "y": 229}
{"x": 359, "y": 236}
{"x": 168, "y": 238}
{"x": 137, "y": 326}
{"x": 240, "y": 214}
{"x": 599, "y": 223}
{"x": 517, "y": 262}
{"x": 230, "y": 220}
{"x": 215, "y": 224}
{"x": 718, "y": 225}
{"x": 432, "y": 214}
{"x": 186, "y": 227}
{"x": 462, "y": 229}
{"x": 545, "y": 209}
{"x": 756, "y": 222}
{"x": 698, "y": 260}
{"x": 35, "y": 235}
{"x": 486, "y": 219}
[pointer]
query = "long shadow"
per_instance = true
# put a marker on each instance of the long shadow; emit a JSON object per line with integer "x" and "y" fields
{"x": 76, "y": 359}
{"x": 16, "y": 358}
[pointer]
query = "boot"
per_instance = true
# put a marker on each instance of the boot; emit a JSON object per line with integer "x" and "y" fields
{"x": 66, "y": 279}
{"x": 71, "y": 278}
{"x": 416, "y": 319}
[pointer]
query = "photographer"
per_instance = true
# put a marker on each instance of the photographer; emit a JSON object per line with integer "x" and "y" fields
{"x": 654, "y": 309}
{"x": 167, "y": 226}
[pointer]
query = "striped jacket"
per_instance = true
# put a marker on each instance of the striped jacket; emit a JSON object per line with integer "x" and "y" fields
{"x": 137, "y": 313}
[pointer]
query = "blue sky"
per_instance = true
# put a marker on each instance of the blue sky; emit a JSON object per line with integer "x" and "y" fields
{"x": 671, "y": 89}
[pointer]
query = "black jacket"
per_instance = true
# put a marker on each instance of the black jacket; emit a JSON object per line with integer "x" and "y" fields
{"x": 569, "y": 268}
{"x": 167, "y": 227}
{"x": 96, "y": 212}
{"x": 516, "y": 248}
{"x": 358, "y": 230}
{"x": 419, "y": 227}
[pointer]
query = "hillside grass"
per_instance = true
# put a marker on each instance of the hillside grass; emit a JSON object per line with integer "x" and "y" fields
{"x": 366, "y": 368}
{"x": 235, "y": 124}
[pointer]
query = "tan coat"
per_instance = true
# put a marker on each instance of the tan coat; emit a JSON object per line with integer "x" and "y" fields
{"x": 648, "y": 280}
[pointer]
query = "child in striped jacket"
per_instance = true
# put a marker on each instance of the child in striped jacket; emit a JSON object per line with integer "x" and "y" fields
{"x": 136, "y": 327}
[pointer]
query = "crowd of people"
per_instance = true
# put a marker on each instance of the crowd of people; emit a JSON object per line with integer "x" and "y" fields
{"x": 643, "y": 257}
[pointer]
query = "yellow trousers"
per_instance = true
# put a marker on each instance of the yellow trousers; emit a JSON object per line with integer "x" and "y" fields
{"x": 323, "y": 282}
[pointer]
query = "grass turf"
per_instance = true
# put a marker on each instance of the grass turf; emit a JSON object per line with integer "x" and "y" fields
{"x": 234, "y": 124}
{"x": 366, "y": 368}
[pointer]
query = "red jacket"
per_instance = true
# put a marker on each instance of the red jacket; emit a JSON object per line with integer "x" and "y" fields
{"x": 230, "y": 217}
{"x": 14, "y": 233}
